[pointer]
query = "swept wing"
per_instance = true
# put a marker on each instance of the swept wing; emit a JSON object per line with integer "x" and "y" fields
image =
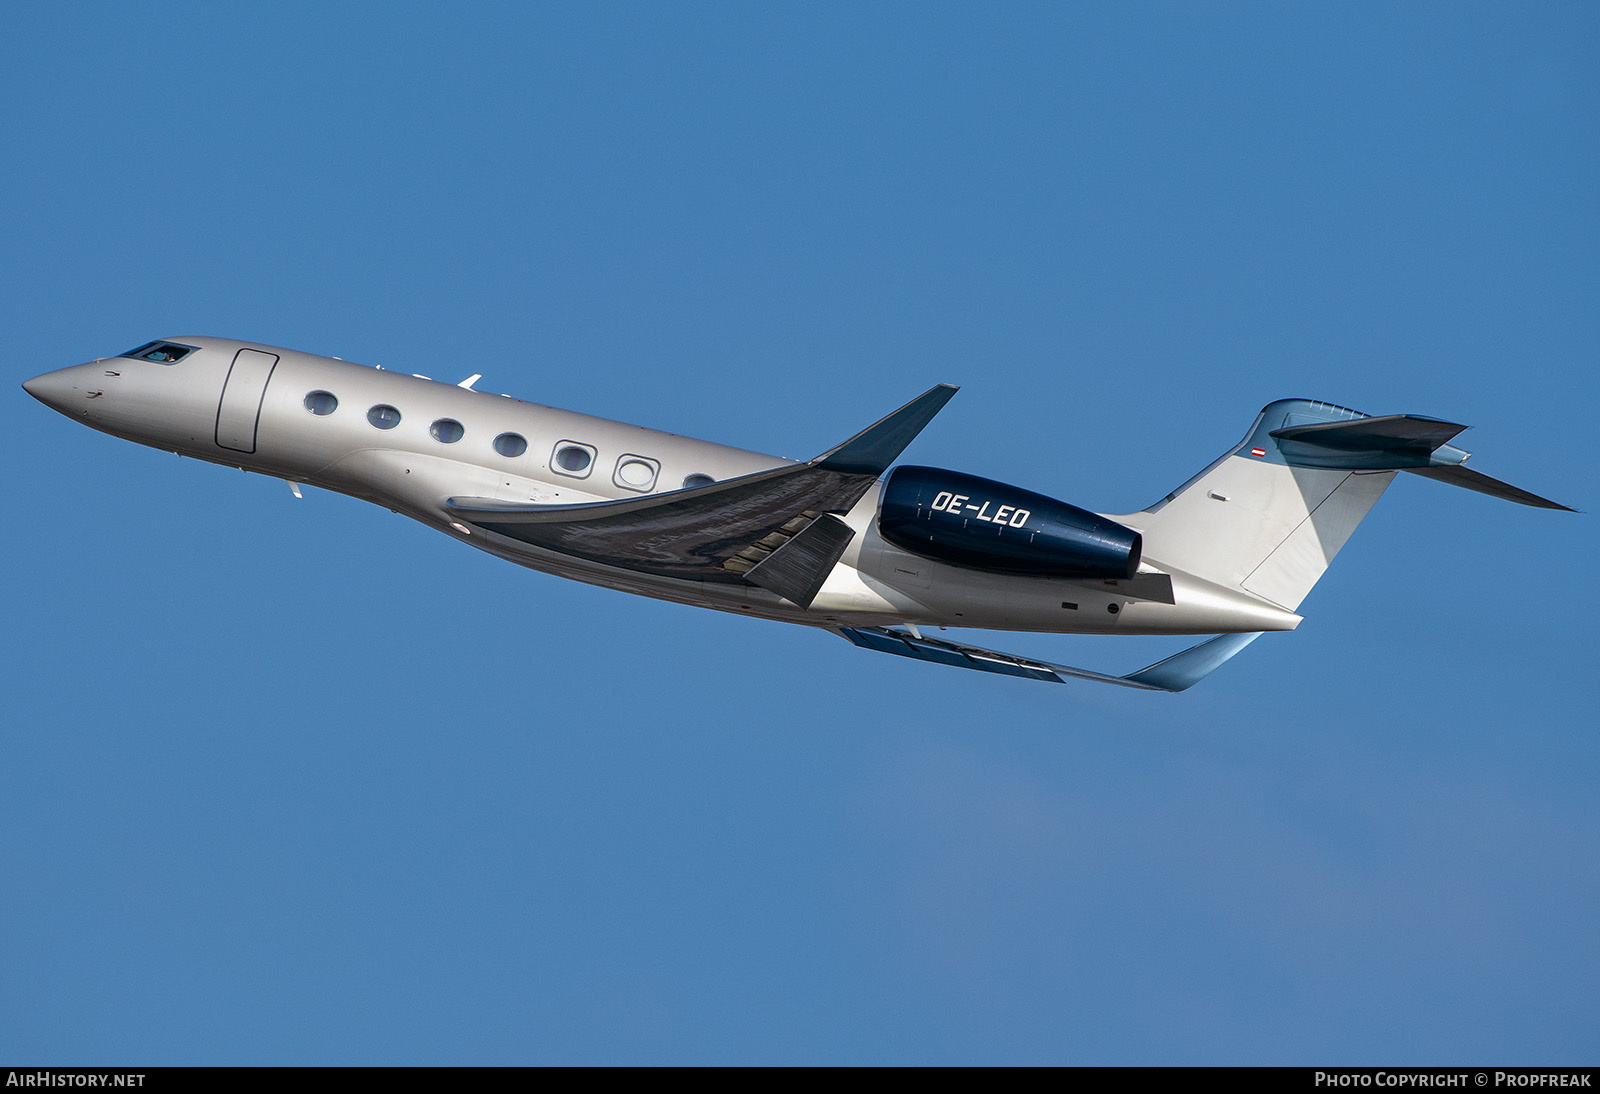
{"x": 773, "y": 528}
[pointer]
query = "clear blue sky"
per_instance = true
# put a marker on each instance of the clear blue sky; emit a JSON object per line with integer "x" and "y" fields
{"x": 302, "y": 782}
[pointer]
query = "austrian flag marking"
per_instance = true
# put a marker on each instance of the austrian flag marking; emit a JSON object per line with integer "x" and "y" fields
{"x": 1258, "y": 452}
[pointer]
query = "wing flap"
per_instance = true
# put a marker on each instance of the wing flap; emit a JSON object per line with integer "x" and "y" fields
{"x": 797, "y": 569}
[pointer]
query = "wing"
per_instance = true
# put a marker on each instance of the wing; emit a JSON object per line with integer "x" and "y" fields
{"x": 1179, "y": 672}
{"x": 771, "y": 528}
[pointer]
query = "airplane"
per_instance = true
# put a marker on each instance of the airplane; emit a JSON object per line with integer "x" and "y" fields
{"x": 832, "y": 543}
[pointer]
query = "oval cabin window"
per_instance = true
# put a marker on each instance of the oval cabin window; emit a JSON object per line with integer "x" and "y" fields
{"x": 321, "y": 403}
{"x": 636, "y": 473}
{"x": 573, "y": 459}
{"x": 511, "y": 445}
{"x": 384, "y": 416}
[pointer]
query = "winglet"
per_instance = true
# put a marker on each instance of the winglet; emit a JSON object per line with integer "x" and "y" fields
{"x": 871, "y": 451}
{"x": 1183, "y": 670}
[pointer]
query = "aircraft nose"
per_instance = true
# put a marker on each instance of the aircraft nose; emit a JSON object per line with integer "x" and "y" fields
{"x": 54, "y": 389}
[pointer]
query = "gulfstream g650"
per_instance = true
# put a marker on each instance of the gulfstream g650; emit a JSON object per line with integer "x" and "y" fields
{"x": 831, "y": 543}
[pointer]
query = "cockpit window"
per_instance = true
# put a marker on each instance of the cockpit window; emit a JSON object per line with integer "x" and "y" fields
{"x": 165, "y": 353}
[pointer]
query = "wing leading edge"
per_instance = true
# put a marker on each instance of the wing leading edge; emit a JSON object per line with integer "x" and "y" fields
{"x": 764, "y": 529}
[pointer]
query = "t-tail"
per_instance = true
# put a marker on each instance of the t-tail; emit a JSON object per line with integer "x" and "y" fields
{"x": 1270, "y": 515}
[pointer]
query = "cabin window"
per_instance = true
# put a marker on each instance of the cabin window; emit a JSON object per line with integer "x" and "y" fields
{"x": 447, "y": 430}
{"x": 163, "y": 353}
{"x": 636, "y": 472}
{"x": 384, "y": 416}
{"x": 697, "y": 479}
{"x": 572, "y": 458}
{"x": 321, "y": 403}
{"x": 511, "y": 445}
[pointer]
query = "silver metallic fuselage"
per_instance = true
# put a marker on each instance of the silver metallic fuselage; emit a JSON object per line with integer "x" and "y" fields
{"x": 181, "y": 407}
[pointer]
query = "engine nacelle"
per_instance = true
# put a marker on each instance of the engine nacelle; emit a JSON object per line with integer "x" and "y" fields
{"x": 989, "y": 525}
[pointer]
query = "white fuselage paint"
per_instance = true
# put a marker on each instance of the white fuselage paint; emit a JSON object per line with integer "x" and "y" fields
{"x": 230, "y": 403}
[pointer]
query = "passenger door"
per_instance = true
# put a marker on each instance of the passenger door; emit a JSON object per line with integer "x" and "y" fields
{"x": 242, "y": 392}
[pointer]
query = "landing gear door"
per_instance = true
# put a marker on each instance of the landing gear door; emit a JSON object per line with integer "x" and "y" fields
{"x": 240, "y": 408}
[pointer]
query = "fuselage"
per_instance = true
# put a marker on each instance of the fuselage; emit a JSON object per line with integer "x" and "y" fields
{"x": 408, "y": 443}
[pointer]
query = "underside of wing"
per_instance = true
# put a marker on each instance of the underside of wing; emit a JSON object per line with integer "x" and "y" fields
{"x": 1177, "y": 673}
{"x": 712, "y": 533}
{"x": 762, "y": 529}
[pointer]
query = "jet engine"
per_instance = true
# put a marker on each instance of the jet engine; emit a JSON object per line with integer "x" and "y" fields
{"x": 989, "y": 525}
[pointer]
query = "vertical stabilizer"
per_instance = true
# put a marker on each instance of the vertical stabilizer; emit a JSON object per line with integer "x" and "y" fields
{"x": 1252, "y": 521}
{"x": 1271, "y": 514}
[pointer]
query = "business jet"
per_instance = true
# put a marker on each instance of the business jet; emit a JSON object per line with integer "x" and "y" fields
{"x": 832, "y": 543}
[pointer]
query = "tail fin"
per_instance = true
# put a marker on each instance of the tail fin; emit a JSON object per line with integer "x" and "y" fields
{"x": 1270, "y": 514}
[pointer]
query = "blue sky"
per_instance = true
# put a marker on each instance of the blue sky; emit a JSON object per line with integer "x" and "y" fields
{"x": 302, "y": 782}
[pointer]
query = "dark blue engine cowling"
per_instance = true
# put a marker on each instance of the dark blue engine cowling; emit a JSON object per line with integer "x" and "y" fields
{"x": 991, "y": 526}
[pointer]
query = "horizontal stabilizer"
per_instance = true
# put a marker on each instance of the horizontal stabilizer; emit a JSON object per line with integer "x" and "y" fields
{"x": 1395, "y": 442}
{"x": 1386, "y": 431}
{"x": 1177, "y": 673}
{"x": 1386, "y": 443}
{"x": 1483, "y": 484}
